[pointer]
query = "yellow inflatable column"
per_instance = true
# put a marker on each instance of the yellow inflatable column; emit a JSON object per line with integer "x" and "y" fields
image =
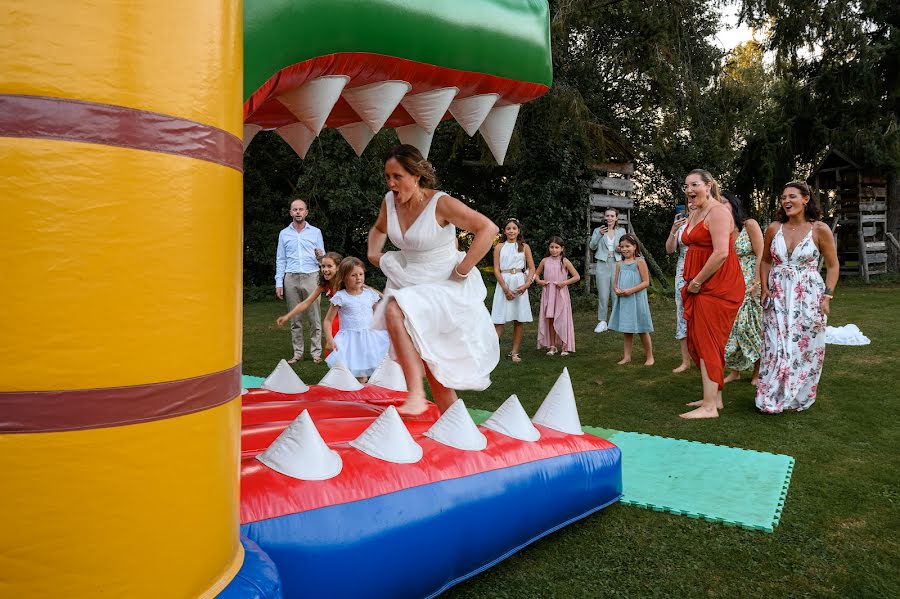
{"x": 120, "y": 307}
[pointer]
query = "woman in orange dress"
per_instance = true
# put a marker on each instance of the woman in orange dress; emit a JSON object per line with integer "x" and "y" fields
{"x": 714, "y": 287}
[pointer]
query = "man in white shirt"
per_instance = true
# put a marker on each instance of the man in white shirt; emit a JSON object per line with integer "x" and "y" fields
{"x": 300, "y": 246}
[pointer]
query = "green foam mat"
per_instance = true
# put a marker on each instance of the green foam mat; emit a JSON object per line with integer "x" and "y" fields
{"x": 251, "y": 382}
{"x": 739, "y": 487}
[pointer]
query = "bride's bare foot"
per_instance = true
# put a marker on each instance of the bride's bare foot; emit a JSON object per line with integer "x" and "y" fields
{"x": 700, "y": 413}
{"x": 624, "y": 361}
{"x": 732, "y": 376}
{"x": 413, "y": 406}
{"x": 681, "y": 367}
{"x": 650, "y": 361}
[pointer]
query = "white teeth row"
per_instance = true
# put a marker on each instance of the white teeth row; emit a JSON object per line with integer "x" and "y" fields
{"x": 300, "y": 452}
{"x": 312, "y": 102}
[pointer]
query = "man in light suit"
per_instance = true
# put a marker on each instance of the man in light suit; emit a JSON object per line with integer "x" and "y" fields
{"x": 605, "y": 242}
{"x": 300, "y": 246}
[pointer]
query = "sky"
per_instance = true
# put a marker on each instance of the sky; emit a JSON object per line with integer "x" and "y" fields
{"x": 732, "y": 35}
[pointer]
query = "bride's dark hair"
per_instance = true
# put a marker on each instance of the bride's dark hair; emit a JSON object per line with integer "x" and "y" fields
{"x": 410, "y": 158}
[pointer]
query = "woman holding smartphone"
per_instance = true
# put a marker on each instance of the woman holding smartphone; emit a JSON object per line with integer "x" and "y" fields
{"x": 605, "y": 241}
{"x": 675, "y": 243}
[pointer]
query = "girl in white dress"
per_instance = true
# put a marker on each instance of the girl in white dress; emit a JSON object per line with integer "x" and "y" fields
{"x": 514, "y": 269}
{"x": 359, "y": 347}
{"x": 434, "y": 300}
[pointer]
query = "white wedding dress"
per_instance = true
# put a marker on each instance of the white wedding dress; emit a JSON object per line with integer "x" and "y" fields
{"x": 447, "y": 320}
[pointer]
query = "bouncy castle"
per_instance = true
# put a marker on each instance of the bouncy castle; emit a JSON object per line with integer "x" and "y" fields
{"x": 131, "y": 466}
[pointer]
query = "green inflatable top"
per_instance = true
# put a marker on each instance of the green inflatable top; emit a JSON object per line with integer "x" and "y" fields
{"x": 505, "y": 38}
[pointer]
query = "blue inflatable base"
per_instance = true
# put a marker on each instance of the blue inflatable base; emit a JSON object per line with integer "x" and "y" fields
{"x": 420, "y": 541}
{"x": 257, "y": 578}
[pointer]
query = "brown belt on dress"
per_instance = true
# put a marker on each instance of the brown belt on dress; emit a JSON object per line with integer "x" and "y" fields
{"x": 511, "y": 271}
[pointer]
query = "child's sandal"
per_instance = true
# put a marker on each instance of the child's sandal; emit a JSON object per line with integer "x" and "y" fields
{"x": 565, "y": 353}
{"x": 515, "y": 358}
{"x": 552, "y": 351}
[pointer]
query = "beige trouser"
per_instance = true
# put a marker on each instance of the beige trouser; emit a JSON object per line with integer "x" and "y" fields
{"x": 298, "y": 287}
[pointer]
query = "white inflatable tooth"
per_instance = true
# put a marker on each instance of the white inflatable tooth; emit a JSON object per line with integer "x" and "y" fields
{"x": 298, "y": 136}
{"x": 415, "y": 135}
{"x": 388, "y": 439}
{"x": 339, "y": 377}
{"x": 456, "y": 428}
{"x": 558, "y": 410}
{"x": 428, "y": 108}
{"x": 470, "y": 112}
{"x": 300, "y": 452}
{"x": 511, "y": 420}
{"x": 497, "y": 129}
{"x": 284, "y": 380}
{"x": 375, "y": 102}
{"x": 250, "y": 131}
{"x": 358, "y": 135}
{"x": 244, "y": 391}
{"x": 312, "y": 102}
{"x": 389, "y": 375}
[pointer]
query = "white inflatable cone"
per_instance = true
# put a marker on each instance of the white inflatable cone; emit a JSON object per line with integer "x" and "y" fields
{"x": 428, "y": 108}
{"x": 358, "y": 135}
{"x": 339, "y": 377}
{"x": 511, "y": 420}
{"x": 375, "y": 102}
{"x": 415, "y": 135}
{"x": 312, "y": 102}
{"x": 298, "y": 136}
{"x": 388, "y": 375}
{"x": 300, "y": 452}
{"x": 497, "y": 129}
{"x": 244, "y": 391}
{"x": 250, "y": 131}
{"x": 284, "y": 380}
{"x": 470, "y": 112}
{"x": 558, "y": 410}
{"x": 456, "y": 428}
{"x": 388, "y": 439}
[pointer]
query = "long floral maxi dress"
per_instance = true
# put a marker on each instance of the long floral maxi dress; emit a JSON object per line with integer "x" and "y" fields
{"x": 793, "y": 329}
{"x": 680, "y": 324}
{"x": 744, "y": 345}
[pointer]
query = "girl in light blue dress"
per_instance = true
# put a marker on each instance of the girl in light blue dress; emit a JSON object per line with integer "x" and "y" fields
{"x": 631, "y": 310}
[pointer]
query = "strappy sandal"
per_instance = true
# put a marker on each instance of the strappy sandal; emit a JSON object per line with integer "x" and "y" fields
{"x": 565, "y": 353}
{"x": 515, "y": 358}
{"x": 294, "y": 360}
{"x": 552, "y": 351}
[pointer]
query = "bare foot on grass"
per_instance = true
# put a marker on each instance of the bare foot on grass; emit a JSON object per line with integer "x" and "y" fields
{"x": 682, "y": 367}
{"x": 700, "y": 413}
{"x": 650, "y": 362}
{"x": 732, "y": 376}
{"x": 624, "y": 361}
{"x": 699, "y": 402}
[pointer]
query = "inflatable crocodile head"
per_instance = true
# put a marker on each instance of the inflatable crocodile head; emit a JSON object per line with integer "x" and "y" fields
{"x": 361, "y": 66}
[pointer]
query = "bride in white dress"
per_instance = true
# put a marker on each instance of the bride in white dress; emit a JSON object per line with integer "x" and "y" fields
{"x": 434, "y": 306}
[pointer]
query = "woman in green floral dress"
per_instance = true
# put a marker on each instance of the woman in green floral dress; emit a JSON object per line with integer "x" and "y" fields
{"x": 744, "y": 347}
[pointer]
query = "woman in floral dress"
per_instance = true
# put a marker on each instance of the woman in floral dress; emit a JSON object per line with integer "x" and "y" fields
{"x": 744, "y": 346}
{"x": 796, "y": 302}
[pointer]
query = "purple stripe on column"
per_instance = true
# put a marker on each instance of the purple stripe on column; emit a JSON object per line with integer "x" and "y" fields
{"x": 42, "y": 117}
{"x": 79, "y": 409}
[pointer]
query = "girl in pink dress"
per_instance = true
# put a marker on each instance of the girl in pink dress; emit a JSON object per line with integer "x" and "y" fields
{"x": 555, "y": 322}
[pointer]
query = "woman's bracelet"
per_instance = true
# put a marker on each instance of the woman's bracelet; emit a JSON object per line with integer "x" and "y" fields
{"x": 829, "y": 296}
{"x": 459, "y": 274}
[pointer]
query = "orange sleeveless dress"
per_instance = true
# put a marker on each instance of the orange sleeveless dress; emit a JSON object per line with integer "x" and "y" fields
{"x": 710, "y": 314}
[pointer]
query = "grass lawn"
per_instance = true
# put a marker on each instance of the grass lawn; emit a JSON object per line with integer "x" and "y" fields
{"x": 839, "y": 534}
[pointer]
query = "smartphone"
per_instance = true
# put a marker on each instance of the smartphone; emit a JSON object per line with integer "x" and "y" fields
{"x": 679, "y": 210}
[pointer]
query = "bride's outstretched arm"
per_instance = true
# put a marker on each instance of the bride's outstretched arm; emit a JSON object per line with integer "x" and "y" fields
{"x": 453, "y": 211}
{"x": 377, "y": 237}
